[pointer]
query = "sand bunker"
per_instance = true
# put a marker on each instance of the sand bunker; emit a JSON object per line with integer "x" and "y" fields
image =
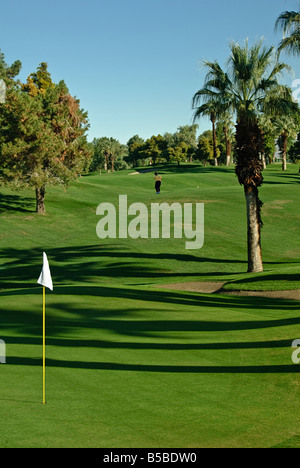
{"x": 141, "y": 172}
{"x": 197, "y": 286}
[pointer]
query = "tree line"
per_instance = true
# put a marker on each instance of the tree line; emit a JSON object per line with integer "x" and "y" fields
{"x": 181, "y": 146}
{"x": 184, "y": 145}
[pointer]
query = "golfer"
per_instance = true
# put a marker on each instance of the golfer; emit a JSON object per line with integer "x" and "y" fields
{"x": 158, "y": 179}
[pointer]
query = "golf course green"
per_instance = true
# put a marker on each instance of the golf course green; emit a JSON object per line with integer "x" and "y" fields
{"x": 130, "y": 360}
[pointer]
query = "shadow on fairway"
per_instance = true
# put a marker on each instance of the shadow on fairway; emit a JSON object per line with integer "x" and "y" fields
{"x": 122, "y": 321}
{"x": 192, "y": 168}
{"x": 284, "y": 179}
{"x": 92, "y": 262}
{"x": 16, "y": 203}
{"x": 109, "y": 366}
{"x": 158, "y": 296}
{"x": 289, "y": 277}
{"x": 81, "y": 319}
{"x": 88, "y": 263}
{"x": 101, "y": 344}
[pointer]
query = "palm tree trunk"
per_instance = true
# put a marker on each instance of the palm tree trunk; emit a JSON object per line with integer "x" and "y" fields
{"x": 284, "y": 149}
{"x": 253, "y": 230}
{"x": 106, "y": 159}
{"x": 40, "y": 200}
{"x": 213, "y": 121}
{"x": 249, "y": 171}
{"x": 228, "y": 146}
{"x": 284, "y": 162}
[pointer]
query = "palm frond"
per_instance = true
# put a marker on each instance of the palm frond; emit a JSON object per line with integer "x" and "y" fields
{"x": 291, "y": 44}
{"x": 288, "y": 20}
{"x": 279, "y": 102}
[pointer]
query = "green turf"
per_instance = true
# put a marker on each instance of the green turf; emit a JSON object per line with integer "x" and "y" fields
{"x": 133, "y": 365}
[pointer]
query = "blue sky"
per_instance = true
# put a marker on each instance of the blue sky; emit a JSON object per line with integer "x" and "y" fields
{"x": 134, "y": 64}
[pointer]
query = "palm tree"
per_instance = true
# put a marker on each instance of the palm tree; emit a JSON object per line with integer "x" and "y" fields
{"x": 249, "y": 87}
{"x": 210, "y": 108}
{"x": 267, "y": 127}
{"x": 225, "y": 120}
{"x": 285, "y": 123}
{"x": 216, "y": 109}
{"x": 288, "y": 127}
{"x": 289, "y": 23}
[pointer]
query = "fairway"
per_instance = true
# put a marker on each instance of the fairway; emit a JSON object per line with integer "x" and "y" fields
{"x": 129, "y": 362}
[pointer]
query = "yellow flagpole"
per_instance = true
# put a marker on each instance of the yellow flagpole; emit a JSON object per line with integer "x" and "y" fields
{"x": 44, "y": 343}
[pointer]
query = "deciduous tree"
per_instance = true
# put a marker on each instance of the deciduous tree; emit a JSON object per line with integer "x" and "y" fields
{"x": 43, "y": 139}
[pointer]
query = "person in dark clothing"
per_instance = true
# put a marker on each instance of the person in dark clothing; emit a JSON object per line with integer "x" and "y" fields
{"x": 158, "y": 180}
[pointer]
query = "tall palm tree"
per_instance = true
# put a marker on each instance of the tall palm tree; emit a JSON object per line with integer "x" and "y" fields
{"x": 209, "y": 108}
{"x": 284, "y": 121}
{"x": 289, "y": 23}
{"x": 218, "y": 110}
{"x": 270, "y": 134}
{"x": 225, "y": 120}
{"x": 249, "y": 86}
{"x": 287, "y": 127}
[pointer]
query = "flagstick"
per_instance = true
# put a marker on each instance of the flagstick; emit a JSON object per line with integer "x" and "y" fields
{"x": 44, "y": 339}
{"x": 46, "y": 281}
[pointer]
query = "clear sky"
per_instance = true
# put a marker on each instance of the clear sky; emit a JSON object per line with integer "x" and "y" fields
{"x": 134, "y": 64}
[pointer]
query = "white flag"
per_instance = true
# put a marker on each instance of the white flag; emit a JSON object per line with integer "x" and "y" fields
{"x": 45, "y": 276}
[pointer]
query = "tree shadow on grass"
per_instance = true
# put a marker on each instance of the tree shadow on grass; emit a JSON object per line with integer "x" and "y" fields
{"x": 284, "y": 179}
{"x": 103, "y": 344}
{"x": 274, "y": 277}
{"x": 9, "y": 203}
{"x": 90, "y": 263}
{"x": 110, "y": 366}
{"x": 191, "y": 168}
{"x": 156, "y": 295}
{"x": 70, "y": 316}
{"x": 83, "y": 320}
{"x": 95, "y": 262}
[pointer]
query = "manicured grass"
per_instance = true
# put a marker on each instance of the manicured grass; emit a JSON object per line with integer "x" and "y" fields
{"x": 130, "y": 365}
